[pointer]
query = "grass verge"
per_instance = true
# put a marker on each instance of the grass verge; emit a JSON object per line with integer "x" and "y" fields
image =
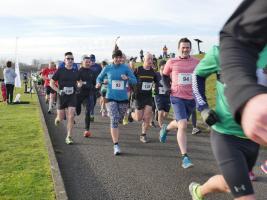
{"x": 24, "y": 164}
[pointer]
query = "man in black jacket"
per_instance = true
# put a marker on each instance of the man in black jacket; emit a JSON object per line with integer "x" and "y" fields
{"x": 242, "y": 38}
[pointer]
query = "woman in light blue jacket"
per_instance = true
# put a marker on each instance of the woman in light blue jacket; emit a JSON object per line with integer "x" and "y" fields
{"x": 117, "y": 74}
{"x": 9, "y": 76}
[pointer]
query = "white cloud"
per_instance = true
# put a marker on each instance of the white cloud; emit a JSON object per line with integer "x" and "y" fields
{"x": 49, "y": 28}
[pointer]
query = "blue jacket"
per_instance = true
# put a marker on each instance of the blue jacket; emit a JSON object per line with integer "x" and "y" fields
{"x": 116, "y": 88}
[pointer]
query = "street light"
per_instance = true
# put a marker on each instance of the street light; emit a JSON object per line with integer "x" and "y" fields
{"x": 198, "y": 41}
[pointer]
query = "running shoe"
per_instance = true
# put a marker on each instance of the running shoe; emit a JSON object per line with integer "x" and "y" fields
{"x": 130, "y": 118}
{"x": 57, "y": 121}
{"x": 264, "y": 167}
{"x": 143, "y": 139}
{"x": 68, "y": 140}
{"x": 125, "y": 121}
{"x": 87, "y": 134}
{"x": 196, "y": 131}
{"x": 186, "y": 162}
{"x": 252, "y": 176}
{"x": 153, "y": 124}
{"x": 163, "y": 133}
{"x": 193, "y": 191}
{"x": 117, "y": 150}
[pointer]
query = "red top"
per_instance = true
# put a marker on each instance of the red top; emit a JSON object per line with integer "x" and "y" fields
{"x": 48, "y": 74}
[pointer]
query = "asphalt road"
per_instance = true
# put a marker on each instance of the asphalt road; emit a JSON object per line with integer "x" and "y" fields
{"x": 143, "y": 171}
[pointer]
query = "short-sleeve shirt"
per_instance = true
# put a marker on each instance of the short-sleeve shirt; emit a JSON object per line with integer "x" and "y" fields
{"x": 66, "y": 77}
{"x": 48, "y": 74}
{"x": 180, "y": 70}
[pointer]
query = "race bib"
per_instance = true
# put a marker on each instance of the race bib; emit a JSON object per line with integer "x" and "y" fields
{"x": 68, "y": 90}
{"x": 161, "y": 90}
{"x": 117, "y": 85}
{"x": 146, "y": 86}
{"x": 185, "y": 78}
{"x": 50, "y": 76}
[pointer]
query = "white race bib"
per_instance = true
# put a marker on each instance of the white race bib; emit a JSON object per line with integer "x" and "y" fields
{"x": 161, "y": 90}
{"x": 117, "y": 85}
{"x": 185, "y": 78}
{"x": 68, "y": 90}
{"x": 146, "y": 86}
{"x": 50, "y": 76}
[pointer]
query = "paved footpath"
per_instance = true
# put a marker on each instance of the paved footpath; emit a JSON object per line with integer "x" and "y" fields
{"x": 143, "y": 171}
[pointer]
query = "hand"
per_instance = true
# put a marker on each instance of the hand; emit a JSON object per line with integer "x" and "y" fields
{"x": 98, "y": 85}
{"x": 209, "y": 116}
{"x": 80, "y": 84}
{"x": 254, "y": 119}
{"x": 61, "y": 92}
{"x": 124, "y": 77}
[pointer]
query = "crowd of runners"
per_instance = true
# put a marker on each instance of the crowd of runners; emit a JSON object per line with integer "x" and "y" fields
{"x": 146, "y": 93}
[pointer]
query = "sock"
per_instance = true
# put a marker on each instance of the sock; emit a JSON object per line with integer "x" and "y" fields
{"x": 198, "y": 192}
{"x": 184, "y": 155}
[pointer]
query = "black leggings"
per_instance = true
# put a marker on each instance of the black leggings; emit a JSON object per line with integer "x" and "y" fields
{"x": 9, "y": 92}
{"x": 88, "y": 102}
{"x": 236, "y": 158}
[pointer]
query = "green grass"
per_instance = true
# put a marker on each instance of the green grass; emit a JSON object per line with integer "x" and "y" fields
{"x": 24, "y": 165}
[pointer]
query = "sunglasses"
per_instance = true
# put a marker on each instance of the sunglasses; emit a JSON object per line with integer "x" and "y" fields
{"x": 70, "y": 58}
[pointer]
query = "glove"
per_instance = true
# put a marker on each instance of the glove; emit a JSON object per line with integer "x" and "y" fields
{"x": 209, "y": 116}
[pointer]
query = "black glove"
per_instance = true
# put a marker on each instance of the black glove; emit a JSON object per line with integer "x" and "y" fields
{"x": 209, "y": 116}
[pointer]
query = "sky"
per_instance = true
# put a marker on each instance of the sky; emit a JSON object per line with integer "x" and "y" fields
{"x": 47, "y": 29}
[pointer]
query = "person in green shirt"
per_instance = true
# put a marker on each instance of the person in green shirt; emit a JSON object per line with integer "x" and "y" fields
{"x": 234, "y": 152}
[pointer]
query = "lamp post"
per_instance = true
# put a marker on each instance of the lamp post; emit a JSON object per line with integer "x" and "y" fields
{"x": 198, "y": 41}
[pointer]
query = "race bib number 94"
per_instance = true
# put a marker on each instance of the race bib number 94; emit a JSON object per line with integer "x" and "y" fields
{"x": 117, "y": 85}
{"x": 146, "y": 86}
{"x": 185, "y": 78}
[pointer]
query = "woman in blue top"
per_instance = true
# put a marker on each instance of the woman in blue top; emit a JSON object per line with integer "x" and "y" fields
{"x": 118, "y": 75}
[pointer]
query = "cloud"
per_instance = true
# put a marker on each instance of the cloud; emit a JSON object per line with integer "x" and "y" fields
{"x": 49, "y": 28}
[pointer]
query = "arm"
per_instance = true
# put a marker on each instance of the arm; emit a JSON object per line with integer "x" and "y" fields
{"x": 207, "y": 66}
{"x": 100, "y": 77}
{"x": 53, "y": 80}
{"x": 166, "y": 76}
{"x": 242, "y": 38}
{"x": 131, "y": 77}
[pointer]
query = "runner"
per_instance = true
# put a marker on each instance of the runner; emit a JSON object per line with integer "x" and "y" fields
{"x": 96, "y": 68}
{"x": 234, "y": 152}
{"x": 86, "y": 90}
{"x": 162, "y": 99}
{"x": 47, "y": 74}
{"x": 143, "y": 100}
{"x": 118, "y": 74}
{"x": 179, "y": 70}
{"x": 67, "y": 78}
{"x": 242, "y": 38}
{"x": 103, "y": 92}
